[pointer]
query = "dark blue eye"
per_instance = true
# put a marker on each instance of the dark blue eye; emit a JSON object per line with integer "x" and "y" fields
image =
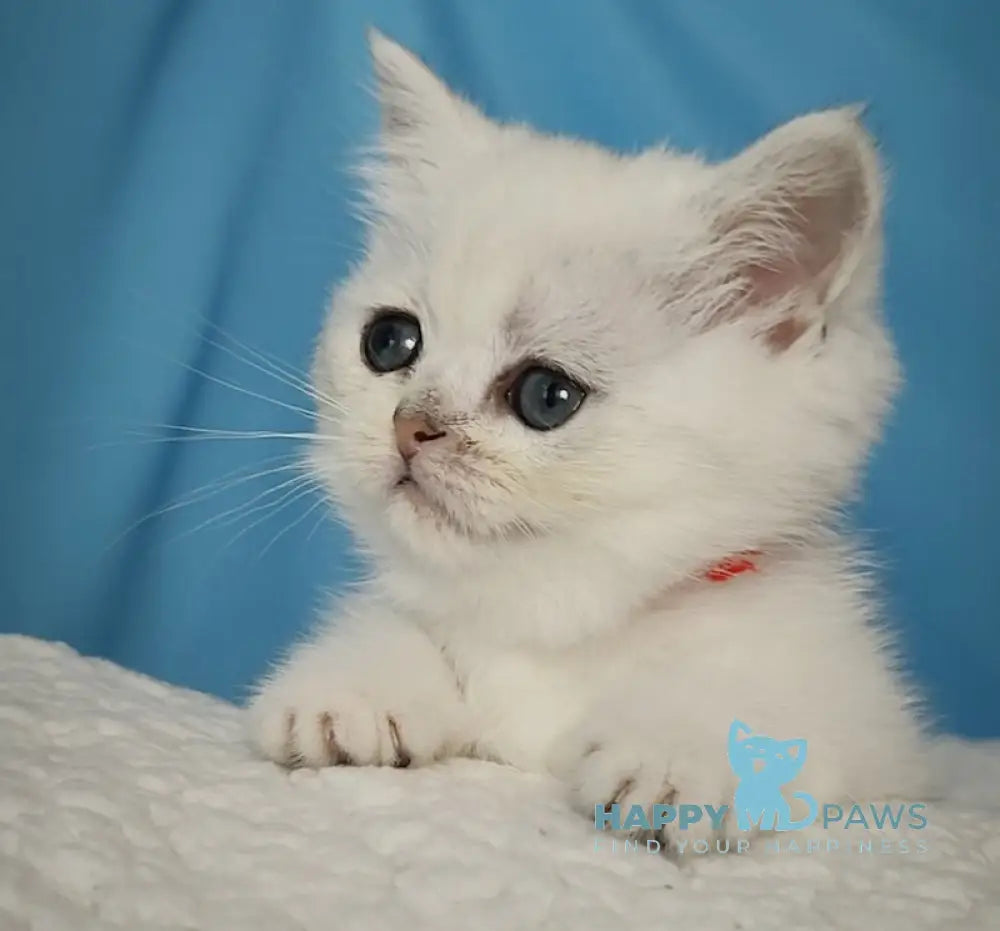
{"x": 543, "y": 398}
{"x": 391, "y": 341}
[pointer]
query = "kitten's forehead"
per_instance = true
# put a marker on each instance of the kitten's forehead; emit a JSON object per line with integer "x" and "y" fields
{"x": 547, "y": 249}
{"x": 549, "y": 196}
{"x": 573, "y": 302}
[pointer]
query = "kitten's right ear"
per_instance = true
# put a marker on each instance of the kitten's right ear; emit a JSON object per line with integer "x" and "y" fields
{"x": 421, "y": 116}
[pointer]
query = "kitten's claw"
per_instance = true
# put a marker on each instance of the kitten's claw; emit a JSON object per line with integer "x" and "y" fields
{"x": 344, "y": 730}
{"x": 624, "y": 797}
{"x": 612, "y": 772}
{"x": 401, "y": 756}
{"x": 336, "y": 754}
{"x": 624, "y": 787}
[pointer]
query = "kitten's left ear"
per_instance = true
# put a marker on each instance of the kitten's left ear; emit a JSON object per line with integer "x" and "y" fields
{"x": 798, "y": 211}
{"x": 421, "y": 116}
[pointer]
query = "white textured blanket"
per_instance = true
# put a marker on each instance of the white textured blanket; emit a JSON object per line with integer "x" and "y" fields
{"x": 125, "y": 803}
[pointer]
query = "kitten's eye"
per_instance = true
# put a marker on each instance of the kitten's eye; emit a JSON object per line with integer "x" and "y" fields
{"x": 543, "y": 398}
{"x": 391, "y": 341}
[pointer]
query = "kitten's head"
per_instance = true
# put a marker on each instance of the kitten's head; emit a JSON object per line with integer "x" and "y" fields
{"x": 774, "y": 761}
{"x": 544, "y": 337}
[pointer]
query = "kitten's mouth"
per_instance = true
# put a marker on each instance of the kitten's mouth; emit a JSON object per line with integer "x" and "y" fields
{"x": 406, "y": 486}
{"x": 425, "y": 505}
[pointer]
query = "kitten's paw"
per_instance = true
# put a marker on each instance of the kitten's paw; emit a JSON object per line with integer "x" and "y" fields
{"x": 341, "y": 729}
{"x": 604, "y": 773}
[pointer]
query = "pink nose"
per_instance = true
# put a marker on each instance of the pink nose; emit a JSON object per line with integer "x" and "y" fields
{"x": 414, "y": 431}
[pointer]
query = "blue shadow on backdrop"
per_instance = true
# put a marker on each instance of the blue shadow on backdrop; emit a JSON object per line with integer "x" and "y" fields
{"x": 174, "y": 167}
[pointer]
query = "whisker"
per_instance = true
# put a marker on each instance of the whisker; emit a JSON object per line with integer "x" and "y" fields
{"x": 293, "y": 524}
{"x": 276, "y": 507}
{"x": 241, "y": 510}
{"x": 143, "y": 439}
{"x": 225, "y": 383}
{"x": 276, "y": 368}
{"x": 299, "y": 375}
{"x": 228, "y": 481}
{"x": 246, "y": 510}
{"x": 316, "y": 525}
{"x": 266, "y": 362}
{"x": 220, "y": 430}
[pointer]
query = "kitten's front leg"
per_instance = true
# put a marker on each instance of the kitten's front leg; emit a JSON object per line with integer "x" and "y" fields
{"x": 372, "y": 689}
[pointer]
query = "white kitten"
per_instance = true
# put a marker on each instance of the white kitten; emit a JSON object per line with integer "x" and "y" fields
{"x": 564, "y": 384}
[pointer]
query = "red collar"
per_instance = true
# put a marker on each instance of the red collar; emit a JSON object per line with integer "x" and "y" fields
{"x": 726, "y": 568}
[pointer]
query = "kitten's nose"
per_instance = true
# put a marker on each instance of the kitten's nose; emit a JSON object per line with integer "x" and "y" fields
{"x": 414, "y": 431}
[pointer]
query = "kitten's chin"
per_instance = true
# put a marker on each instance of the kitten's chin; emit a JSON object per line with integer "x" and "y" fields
{"x": 433, "y": 531}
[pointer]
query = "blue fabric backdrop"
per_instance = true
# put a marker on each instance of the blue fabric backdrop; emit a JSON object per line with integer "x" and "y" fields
{"x": 169, "y": 166}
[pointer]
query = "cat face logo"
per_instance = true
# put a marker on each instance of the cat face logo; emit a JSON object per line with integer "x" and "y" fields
{"x": 763, "y": 766}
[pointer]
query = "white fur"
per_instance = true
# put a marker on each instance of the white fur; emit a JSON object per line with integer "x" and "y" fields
{"x": 545, "y": 605}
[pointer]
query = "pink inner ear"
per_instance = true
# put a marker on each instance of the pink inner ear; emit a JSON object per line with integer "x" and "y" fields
{"x": 807, "y": 241}
{"x": 785, "y": 332}
{"x": 794, "y": 234}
